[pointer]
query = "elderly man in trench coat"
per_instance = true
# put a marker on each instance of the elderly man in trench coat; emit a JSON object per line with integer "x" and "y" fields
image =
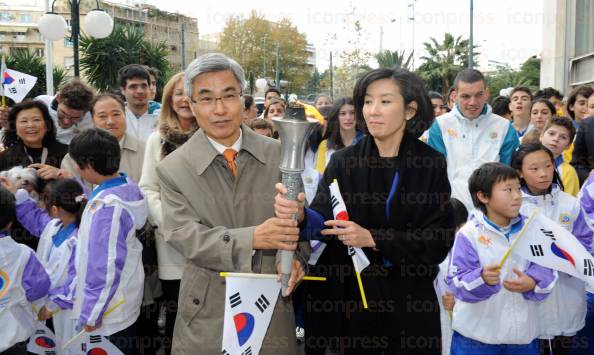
{"x": 218, "y": 195}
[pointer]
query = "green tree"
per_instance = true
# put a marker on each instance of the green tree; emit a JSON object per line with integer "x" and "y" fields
{"x": 26, "y": 62}
{"x": 102, "y": 58}
{"x": 390, "y": 59}
{"x": 443, "y": 61}
{"x": 253, "y": 41}
{"x": 528, "y": 75}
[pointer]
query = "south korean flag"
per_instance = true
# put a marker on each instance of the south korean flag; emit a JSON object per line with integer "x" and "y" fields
{"x": 249, "y": 304}
{"x": 43, "y": 341}
{"x": 95, "y": 344}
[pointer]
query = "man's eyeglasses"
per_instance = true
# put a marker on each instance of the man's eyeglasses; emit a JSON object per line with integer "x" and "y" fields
{"x": 210, "y": 100}
{"x": 65, "y": 116}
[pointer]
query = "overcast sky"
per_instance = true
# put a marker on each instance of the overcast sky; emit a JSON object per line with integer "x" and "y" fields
{"x": 507, "y": 31}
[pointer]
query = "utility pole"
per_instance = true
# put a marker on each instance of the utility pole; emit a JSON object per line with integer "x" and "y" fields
{"x": 75, "y": 24}
{"x": 277, "y": 74}
{"x": 264, "y": 57}
{"x": 381, "y": 46}
{"x": 412, "y": 18}
{"x": 331, "y": 77}
{"x": 471, "y": 45}
{"x": 182, "y": 41}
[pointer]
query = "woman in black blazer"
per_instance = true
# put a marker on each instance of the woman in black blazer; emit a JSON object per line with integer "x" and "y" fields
{"x": 30, "y": 139}
{"x": 397, "y": 196}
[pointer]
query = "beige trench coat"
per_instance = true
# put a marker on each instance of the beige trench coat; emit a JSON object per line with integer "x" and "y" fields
{"x": 210, "y": 217}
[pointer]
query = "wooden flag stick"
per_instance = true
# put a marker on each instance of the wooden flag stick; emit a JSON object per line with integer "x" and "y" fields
{"x": 265, "y": 276}
{"x": 508, "y": 252}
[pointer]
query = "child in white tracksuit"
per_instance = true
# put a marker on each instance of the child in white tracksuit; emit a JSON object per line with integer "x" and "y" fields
{"x": 496, "y": 308}
{"x": 57, "y": 229}
{"x": 563, "y": 313}
{"x": 23, "y": 283}
{"x": 109, "y": 270}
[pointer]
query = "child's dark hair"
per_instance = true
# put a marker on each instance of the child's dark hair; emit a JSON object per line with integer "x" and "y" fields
{"x": 460, "y": 212}
{"x": 525, "y": 149}
{"x": 98, "y": 149}
{"x": 564, "y": 122}
{"x": 7, "y": 208}
{"x": 68, "y": 195}
{"x": 485, "y": 177}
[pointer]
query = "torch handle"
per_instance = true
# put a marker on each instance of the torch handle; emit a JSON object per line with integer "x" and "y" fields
{"x": 292, "y": 181}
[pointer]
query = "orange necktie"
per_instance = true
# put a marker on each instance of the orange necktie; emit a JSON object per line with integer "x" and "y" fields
{"x": 230, "y": 155}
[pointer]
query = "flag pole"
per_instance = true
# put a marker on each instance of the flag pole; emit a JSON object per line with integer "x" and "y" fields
{"x": 3, "y": 71}
{"x": 508, "y": 252}
{"x": 265, "y": 276}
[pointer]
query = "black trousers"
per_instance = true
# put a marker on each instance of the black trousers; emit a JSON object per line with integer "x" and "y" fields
{"x": 17, "y": 349}
{"x": 170, "y": 300}
{"x": 127, "y": 340}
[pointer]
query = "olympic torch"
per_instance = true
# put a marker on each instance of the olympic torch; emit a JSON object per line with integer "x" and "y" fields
{"x": 293, "y": 130}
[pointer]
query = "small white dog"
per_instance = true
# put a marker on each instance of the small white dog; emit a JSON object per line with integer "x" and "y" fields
{"x": 22, "y": 178}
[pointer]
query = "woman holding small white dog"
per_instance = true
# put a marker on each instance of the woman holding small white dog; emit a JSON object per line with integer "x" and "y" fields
{"x": 30, "y": 139}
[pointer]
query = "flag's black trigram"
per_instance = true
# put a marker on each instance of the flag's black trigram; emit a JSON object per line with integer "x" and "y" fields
{"x": 235, "y": 300}
{"x": 262, "y": 303}
{"x": 95, "y": 339}
{"x": 225, "y": 352}
{"x": 247, "y": 351}
{"x": 22, "y": 81}
{"x": 12, "y": 90}
{"x": 350, "y": 250}
{"x": 588, "y": 267}
{"x": 49, "y": 352}
{"x": 334, "y": 201}
{"x": 536, "y": 250}
{"x": 549, "y": 234}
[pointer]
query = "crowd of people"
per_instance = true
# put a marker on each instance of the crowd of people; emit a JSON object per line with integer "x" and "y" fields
{"x": 119, "y": 212}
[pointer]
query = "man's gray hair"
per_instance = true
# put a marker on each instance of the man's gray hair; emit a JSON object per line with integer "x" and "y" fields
{"x": 209, "y": 63}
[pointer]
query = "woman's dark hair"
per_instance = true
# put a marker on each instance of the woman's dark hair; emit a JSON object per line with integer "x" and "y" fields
{"x": 485, "y": 177}
{"x": 460, "y": 212}
{"x": 546, "y": 102}
{"x": 525, "y": 149}
{"x": 7, "y": 207}
{"x": 411, "y": 89}
{"x": 66, "y": 194}
{"x": 247, "y": 102}
{"x": 98, "y": 149}
{"x": 105, "y": 96}
{"x": 435, "y": 95}
{"x": 584, "y": 90}
{"x": 10, "y": 136}
{"x": 332, "y": 133}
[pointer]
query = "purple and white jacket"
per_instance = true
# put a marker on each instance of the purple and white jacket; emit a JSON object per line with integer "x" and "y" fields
{"x": 55, "y": 250}
{"x": 586, "y": 199}
{"x": 564, "y": 311}
{"x": 490, "y": 313}
{"x": 23, "y": 281}
{"x": 110, "y": 274}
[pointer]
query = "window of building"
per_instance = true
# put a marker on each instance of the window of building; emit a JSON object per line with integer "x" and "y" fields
{"x": 38, "y": 52}
{"x": 6, "y": 17}
{"x": 584, "y": 22}
{"x": 14, "y": 50}
{"x": 68, "y": 43}
{"x": 26, "y": 18}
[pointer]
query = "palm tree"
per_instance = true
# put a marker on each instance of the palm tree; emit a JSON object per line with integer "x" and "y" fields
{"x": 391, "y": 59}
{"x": 443, "y": 61}
{"x": 101, "y": 59}
{"x": 26, "y": 62}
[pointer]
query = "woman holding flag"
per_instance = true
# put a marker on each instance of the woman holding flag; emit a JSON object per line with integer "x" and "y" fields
{"x": 396, "y": 194}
